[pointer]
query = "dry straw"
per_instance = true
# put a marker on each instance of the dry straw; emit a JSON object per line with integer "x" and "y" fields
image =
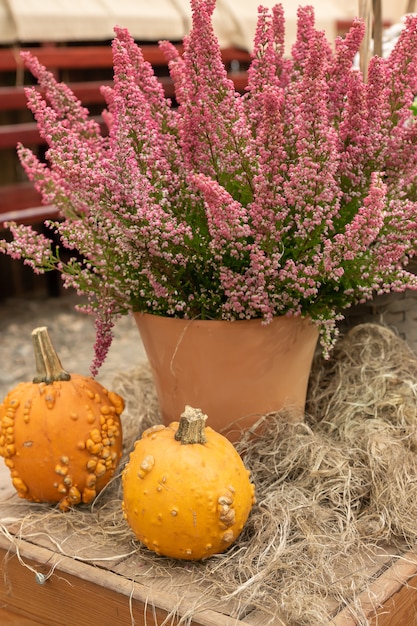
{"x": 333, "y": 492}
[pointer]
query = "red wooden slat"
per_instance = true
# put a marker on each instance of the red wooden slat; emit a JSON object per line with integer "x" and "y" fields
{"x": 86, "y": 57}
{"x": 22, "y": 194}
{"x": 32, "y": 215}
{"x": 27, "y": 133}
{"x": 14, "y": 98}
{"x": 21, "y": 203}
{"x": 73, "y": 57}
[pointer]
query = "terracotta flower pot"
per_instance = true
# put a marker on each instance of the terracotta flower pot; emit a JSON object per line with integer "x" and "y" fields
{"x": 234, "y": 372}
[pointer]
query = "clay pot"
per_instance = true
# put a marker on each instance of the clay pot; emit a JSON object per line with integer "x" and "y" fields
{"x": 234, "y": 372}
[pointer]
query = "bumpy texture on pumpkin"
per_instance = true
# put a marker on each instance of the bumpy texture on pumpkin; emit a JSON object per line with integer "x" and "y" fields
{"x": 186, "y": 501}
{"x": 61, "y": 440}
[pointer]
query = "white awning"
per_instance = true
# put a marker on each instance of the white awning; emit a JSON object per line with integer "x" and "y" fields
{"x": 7, "y": 24}
{"x": 150, "y": 20}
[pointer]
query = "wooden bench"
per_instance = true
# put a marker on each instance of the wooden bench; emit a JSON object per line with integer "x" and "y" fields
{"x": 89, "y": 582}
{"x": 18, "y": 199}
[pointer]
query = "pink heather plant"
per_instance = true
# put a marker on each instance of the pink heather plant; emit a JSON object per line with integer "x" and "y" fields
{"x": 298, "y": 198}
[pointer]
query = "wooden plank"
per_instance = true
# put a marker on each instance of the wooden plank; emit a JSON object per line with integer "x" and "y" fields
{"x": 12, "y": 134}
{"x": 181, "y": 587}
{"x": 72, "y": 57}
{"x": 87, "y": 57}
{"x": 389, "y": 601}
{"x": 20, "y": 202}
{"x": 14, "y": 98}
{"x": 24, "y": 194}
{"x": 89, "y": 92}
{"x": 401, "y": 608}
{"x": 32, "y": 215}
{"x": 27, "y": 133}
{"x": 64, "y": 599}
{"x": 381, "y": 602}
{"x": 77, "y": 593}
{"x": 12, "y": 618}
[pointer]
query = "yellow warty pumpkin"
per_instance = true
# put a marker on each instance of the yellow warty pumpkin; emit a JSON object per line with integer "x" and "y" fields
{"x": 60, "y": 435}
{"x": 186, "y": 492}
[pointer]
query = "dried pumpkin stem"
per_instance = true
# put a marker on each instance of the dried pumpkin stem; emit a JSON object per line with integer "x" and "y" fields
{"x": 48, "y": 365}
{"x": 191, "y": 427}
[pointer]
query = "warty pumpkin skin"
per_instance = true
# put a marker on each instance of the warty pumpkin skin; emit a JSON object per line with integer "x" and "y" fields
{"x": 186, "y": 500}
{"x": 60, "y": 436}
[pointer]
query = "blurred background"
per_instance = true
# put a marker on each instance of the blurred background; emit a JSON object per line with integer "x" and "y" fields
{"x": 23, "y": 21}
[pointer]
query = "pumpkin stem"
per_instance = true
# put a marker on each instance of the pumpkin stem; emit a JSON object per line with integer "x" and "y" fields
{"x": 191, "y": 427}
{"x": 48, "y": 365}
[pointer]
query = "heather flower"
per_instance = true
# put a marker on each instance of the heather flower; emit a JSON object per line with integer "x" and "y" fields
{"x": 297, "y": 198}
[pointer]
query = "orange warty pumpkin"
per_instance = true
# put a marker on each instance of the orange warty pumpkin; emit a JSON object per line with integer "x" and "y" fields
{"x": 60, "y": 435}
{"x": 186, "y": 492}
